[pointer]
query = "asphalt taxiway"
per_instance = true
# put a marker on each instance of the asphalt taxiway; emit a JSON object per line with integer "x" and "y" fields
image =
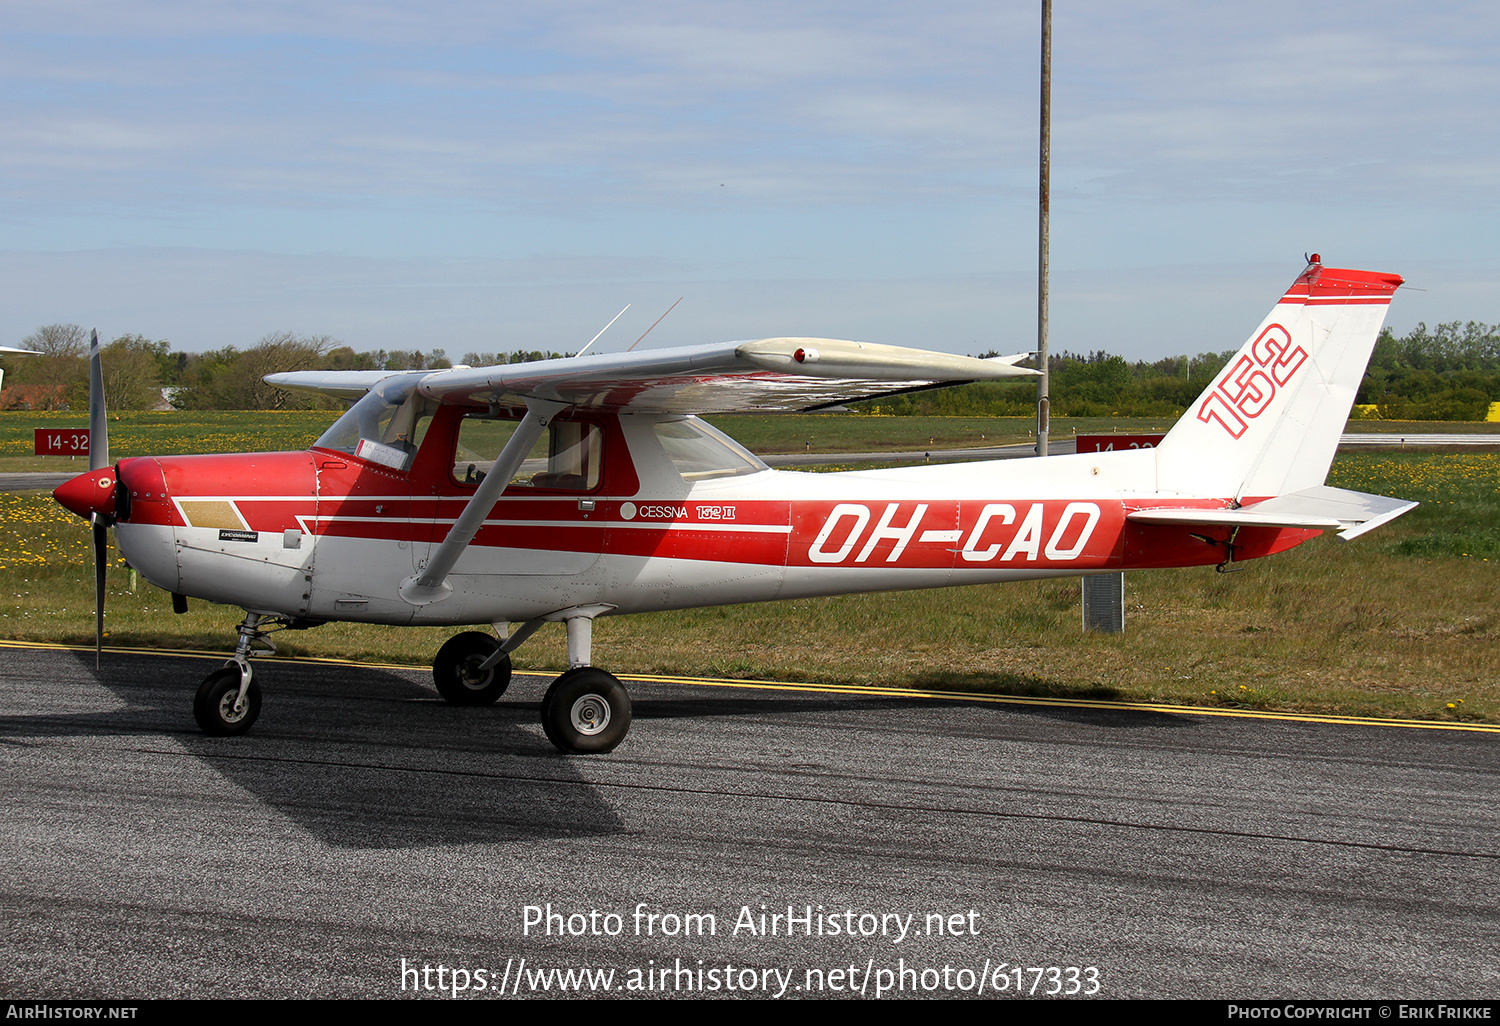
{"x": 365, "y": 832}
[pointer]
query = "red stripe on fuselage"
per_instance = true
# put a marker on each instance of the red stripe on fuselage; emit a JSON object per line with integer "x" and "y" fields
{"x": 868, "y": 533}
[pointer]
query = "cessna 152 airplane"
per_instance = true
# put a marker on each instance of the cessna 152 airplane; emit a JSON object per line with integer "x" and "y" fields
{"x": 569, "y": 489}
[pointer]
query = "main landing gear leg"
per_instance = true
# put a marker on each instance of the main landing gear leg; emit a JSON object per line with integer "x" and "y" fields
{"x": 586, "y": 710}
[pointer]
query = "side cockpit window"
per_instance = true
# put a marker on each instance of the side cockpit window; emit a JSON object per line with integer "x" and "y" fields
{"x": 566, "y": 458}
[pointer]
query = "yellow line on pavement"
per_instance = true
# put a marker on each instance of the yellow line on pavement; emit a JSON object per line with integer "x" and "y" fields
{"x": 868, "y": 691}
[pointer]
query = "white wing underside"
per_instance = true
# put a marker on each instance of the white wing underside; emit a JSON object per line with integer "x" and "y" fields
{"x": 768, "y": 375}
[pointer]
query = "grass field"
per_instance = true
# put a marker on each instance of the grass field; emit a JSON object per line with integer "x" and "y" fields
{"x": 159, "y": 434}
{"x": 835, "y": 432}
{"x": 174, "y": 433}
{"x": 1401, "y": 622}
{"x": 177, "y": 433}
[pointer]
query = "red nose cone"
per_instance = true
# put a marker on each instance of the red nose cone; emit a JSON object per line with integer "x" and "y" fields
{"x": 89, "y": 493}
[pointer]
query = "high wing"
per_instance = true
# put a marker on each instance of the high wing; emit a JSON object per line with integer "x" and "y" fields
{"x": 766, "y": 375}
{"x": 340, "y": 384}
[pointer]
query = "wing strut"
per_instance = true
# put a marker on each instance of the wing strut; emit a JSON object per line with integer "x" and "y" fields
{"x": 431, "y": 585}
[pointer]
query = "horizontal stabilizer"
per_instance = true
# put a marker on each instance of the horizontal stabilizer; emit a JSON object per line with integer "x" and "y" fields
{"x": 1243, "y": 517}
{"x": 1316, "y": 508}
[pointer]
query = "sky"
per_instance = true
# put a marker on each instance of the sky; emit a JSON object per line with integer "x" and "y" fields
{"x": 489, "y": 176}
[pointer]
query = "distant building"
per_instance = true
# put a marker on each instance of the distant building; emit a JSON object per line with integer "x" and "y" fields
{"x": 34, "y": 397}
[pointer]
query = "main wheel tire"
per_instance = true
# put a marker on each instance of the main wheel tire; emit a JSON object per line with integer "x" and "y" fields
{"x": 213, "y": 706}
{"x": 586, "y": 711}
{"x": 456, "y": 670}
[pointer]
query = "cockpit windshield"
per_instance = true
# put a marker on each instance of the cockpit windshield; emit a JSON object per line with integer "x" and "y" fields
{"x": 386, "y": 426}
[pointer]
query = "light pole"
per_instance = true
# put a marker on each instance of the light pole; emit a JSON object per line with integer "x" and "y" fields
{"x": 1043, "y": 399}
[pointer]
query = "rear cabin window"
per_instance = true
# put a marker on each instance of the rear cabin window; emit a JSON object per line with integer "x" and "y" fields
{"x": 566, "y": 458}
{"x": 700, "y": 452}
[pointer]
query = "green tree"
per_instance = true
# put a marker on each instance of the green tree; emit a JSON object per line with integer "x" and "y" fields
{"x": 230, "y": 379}
{"x": 61, "y": 371}
{"x": 132, "y": 372}
{"x": 243, "y": 388}
{"x": 415, "y": 359}
{"x": 344, "y": 358}
{"x": 519, "y": 356}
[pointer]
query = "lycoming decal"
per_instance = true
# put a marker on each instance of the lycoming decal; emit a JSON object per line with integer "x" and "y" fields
{"x": 985, "y": 541}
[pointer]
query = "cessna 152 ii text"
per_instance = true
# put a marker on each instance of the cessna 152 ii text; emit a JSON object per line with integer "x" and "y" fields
{"x": 570, "y": 489}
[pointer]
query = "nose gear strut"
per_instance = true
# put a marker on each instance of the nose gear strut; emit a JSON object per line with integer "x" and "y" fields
{"x": 228, "y": 700}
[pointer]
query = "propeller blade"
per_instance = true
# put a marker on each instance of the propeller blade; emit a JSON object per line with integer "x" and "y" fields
{"x": 98, "y": 459}
{"x": 101, "y": 553}
{"x": 98, "y": 416}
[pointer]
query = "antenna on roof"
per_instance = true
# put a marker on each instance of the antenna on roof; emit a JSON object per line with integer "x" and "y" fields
{"x": 602, "y": 330}
{"x": 653, "y": 327}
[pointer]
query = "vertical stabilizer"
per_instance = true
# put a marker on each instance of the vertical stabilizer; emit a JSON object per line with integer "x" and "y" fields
{"x": 1270, "y": 422}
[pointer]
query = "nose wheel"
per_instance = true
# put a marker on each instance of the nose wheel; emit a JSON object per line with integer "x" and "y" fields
{"x": 219, "y": 708}
{"x": 228, "y": 700}
{"x": 586, "y": 711}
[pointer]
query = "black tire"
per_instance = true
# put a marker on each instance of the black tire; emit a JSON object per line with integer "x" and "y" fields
{"x": 586, "y": 711}
{"x": 213, "y": 706}
{"x": 456, "y": 671}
